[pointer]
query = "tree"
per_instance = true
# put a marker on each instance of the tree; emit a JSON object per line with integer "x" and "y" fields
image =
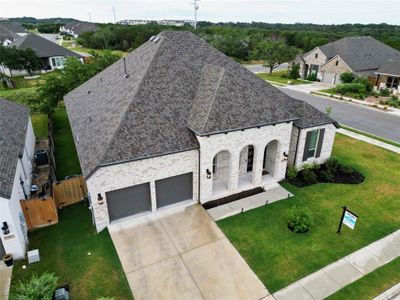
{"x": 274, "y": 53}
{"x": 16, "y": 59}
{"x": 29, "y": 60}
{"x": 294, "y": 72}
{"x": 347, "y": 77}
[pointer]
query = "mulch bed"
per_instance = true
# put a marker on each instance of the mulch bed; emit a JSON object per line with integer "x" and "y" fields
{"x": 232, "y": 198}
{"x": 353, "y": 177}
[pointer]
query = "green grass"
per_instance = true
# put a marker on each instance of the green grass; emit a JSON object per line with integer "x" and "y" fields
{"x": 277, "y": 77}
{"x": 67, "y": 162}
{"x": 371, "y": 285}
{"x": 11, "y": 94}
{"x": 280, "y": 257}
{"x": 371, "y": 135}
{"x": 329, "y": 91}
{"x": 64, "y": 251}
{"x": 40, "y": 125}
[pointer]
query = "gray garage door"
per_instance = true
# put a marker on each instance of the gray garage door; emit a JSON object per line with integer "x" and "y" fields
{"x": 128, "y": 201}
{"x": 174, "y": 189}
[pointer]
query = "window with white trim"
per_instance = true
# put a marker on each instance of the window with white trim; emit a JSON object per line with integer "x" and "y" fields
{"x": 57, "y": 62}
{"x": 312, "y": 146}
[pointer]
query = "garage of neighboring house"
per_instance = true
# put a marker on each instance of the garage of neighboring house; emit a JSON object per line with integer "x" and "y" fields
{"x": 329, "y": 78}
{"x": 128, "y": 201}
{"x": 174, "y": 189}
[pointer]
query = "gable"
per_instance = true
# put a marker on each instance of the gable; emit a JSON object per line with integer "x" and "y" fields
{"x": 310, "y": 58}
{"x": 335, "y": 65}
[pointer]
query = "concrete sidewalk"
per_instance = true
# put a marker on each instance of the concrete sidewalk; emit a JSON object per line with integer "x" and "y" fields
{"x": 369, "y": 140}
{"x": 391, "y": 294}
{"x": 5, "y": 280}
{"x": 337, "y": 275}
{"x": 273, "y": 193}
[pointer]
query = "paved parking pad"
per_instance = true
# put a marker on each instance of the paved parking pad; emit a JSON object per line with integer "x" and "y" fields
{"x": 183, "y": 255}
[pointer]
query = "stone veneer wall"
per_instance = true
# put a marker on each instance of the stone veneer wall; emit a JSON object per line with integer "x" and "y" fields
{"x": 136, "y": 172}
{"x": 234, "y": 142}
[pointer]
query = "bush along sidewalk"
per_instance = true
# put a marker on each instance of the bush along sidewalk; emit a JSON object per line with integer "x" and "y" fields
{"x": 329, "y": 172}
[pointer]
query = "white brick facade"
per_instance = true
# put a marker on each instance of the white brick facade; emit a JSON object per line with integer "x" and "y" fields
{"x": 231, "y": 165}
{"x": 136, "y": 172}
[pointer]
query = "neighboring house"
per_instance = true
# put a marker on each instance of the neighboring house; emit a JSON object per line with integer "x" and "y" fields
{"x": 52, "y": 55}
{"x": 388, "y": 76}
{"x": 361, "y": 55}
{"x": 76, "y": 28}
{"x": 17, "y": 144}
{"x": 178, "y": 122}
{"x": 10, "y": 31}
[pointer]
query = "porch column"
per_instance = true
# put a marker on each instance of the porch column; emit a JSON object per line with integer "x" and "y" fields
{"x": 234, "y": 171}
{"x": 258, "y": 164}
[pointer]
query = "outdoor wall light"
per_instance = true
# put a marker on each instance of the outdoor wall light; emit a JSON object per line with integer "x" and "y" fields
{"x": 208, "y": 173}
{"x": 5, "y": 228}
{"x": 100, "y": 199}
{"x": 285, "y": 156}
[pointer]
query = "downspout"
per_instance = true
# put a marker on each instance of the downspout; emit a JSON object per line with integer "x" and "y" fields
{"x": 198, "y": 183}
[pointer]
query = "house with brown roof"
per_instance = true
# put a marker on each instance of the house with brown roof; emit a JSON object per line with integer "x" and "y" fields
{"x": 362, "y": 56}
{"x": 177, "y": 122}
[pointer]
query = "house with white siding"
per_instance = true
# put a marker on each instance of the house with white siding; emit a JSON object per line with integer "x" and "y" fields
{"x": 17, "y": 145}
{"x": 177, "y": 122}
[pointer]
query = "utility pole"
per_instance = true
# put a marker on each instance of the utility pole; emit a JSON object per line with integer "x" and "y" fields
{"x": 196, "y": 8}
{"x": 113, "y": 9}
{"x": 90, "y": 18}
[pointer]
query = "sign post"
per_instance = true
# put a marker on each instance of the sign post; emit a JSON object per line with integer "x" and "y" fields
{"x": 348, "y": 218}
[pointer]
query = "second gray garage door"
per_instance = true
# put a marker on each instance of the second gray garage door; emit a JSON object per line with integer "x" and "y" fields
{"x": 174, "y": 189}
{"x": 128, "y": 201}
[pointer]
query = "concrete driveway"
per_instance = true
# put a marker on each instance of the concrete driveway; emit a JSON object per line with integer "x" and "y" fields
{"x": 182, "y": 255}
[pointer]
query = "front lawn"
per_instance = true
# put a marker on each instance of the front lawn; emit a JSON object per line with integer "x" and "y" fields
{"x": 64, "y": 249}
{"x": 277, "y": 77}
{"x": 371, "y": 285}
{"x": 67, "y": 162}
{"x": 280, "y": 257}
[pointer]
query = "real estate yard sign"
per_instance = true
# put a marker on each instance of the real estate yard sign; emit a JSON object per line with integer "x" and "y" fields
{"x": 348, "y": 218}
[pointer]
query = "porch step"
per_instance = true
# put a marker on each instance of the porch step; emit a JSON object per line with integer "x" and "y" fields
{"x": 273, "y": 192}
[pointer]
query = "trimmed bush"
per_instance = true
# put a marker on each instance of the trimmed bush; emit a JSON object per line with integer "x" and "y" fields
{"x": 332, "y": 164}
{"x": 312, "y": 77}
{"x": 351, "y": 88}
{"x": 300, "y": 219}
{"x": 309, "y": 176}
{"x": 347, "y": 77}
{"x": 345, "y": 169}
{"x": 384, "y": 92}
{"x": 292, "y": 172}
{"x": 294, "y": 72}
{"x": 38, "y": 287}
{"x": 326, "y": 175}
{"x": 364, "y": 80}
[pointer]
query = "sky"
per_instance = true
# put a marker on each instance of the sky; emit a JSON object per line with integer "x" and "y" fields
{"x": 269, "y": 11}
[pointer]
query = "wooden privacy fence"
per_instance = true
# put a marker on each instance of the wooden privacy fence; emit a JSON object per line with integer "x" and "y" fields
{"x": 39, "y": 212}
{"x": 69, "y": 191}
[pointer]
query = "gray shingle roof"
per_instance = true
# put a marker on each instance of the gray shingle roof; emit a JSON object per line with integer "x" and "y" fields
{"x": 13, "y": 124}
{"x": 7, "y": 34}
{"x": 360, "y": 53}
{"x": 392, "y": 67}
{"x": 13, "y": 26}
{"x": 178, "y": 83}
{"x": 79, "y": 27}
{"x": 42, "y": 46}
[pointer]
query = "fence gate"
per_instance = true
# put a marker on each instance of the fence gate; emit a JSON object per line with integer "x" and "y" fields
{"x": 69, "y": 191}
{"x": 39, "y": 212}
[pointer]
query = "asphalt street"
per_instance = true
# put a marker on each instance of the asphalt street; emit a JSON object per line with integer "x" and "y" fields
{"x": 367, "y": 119}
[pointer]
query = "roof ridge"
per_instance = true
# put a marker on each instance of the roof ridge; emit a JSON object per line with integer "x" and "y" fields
{"x": 221, "y": 75}
{"x": 112, "y": 139}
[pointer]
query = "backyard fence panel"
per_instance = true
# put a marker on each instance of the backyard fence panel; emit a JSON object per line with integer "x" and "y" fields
{"x": 69, "y": 191}
{"x": 39, "y": 212}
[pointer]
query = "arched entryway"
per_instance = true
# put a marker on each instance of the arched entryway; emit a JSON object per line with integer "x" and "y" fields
{"x": 221, "y": 172}
{"x": 246, "y": 165}
{"x": 270, "y": 159}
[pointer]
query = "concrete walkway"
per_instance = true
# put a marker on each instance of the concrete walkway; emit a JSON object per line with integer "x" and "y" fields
{"x": 391, "y": 294}
{"x": 182, "y": 254}
{"x": 337, "y": 275}
{"x": 5, "y": 280}
{"x": 273, "y": 193}
{"x": 369, "y": 140}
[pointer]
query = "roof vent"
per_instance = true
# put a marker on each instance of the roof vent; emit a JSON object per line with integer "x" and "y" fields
{"x": 126, "y": 72}
{"x": 152, "y": 38}
{"x": 88, "y": 91}
{"x": 155, "y": 41}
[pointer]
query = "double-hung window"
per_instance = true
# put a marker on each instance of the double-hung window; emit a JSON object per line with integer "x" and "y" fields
{"x": 313, "y": 143}
{"x": 312, "y": 146}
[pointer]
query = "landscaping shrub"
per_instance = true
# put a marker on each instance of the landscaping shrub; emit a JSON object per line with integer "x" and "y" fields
{"x": 294, "y": 72}
{"x": 394, "y": 101}
{"x": 292, "y": 172}
{"x": 38, "y": 287}
{"x": 351, "y": 88}
{"x": 384, "y": 92}
{"x": 345, "y": 169}
{"x": 364, "y": 80}
{"x": 326, "y": 175}
{"x": 312, "y": 77}
{"x": 347, "y": 77}
{"x": 309, "y": 176}
{"x": 332, "y": 164}
{"x": 300, "y": 219}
